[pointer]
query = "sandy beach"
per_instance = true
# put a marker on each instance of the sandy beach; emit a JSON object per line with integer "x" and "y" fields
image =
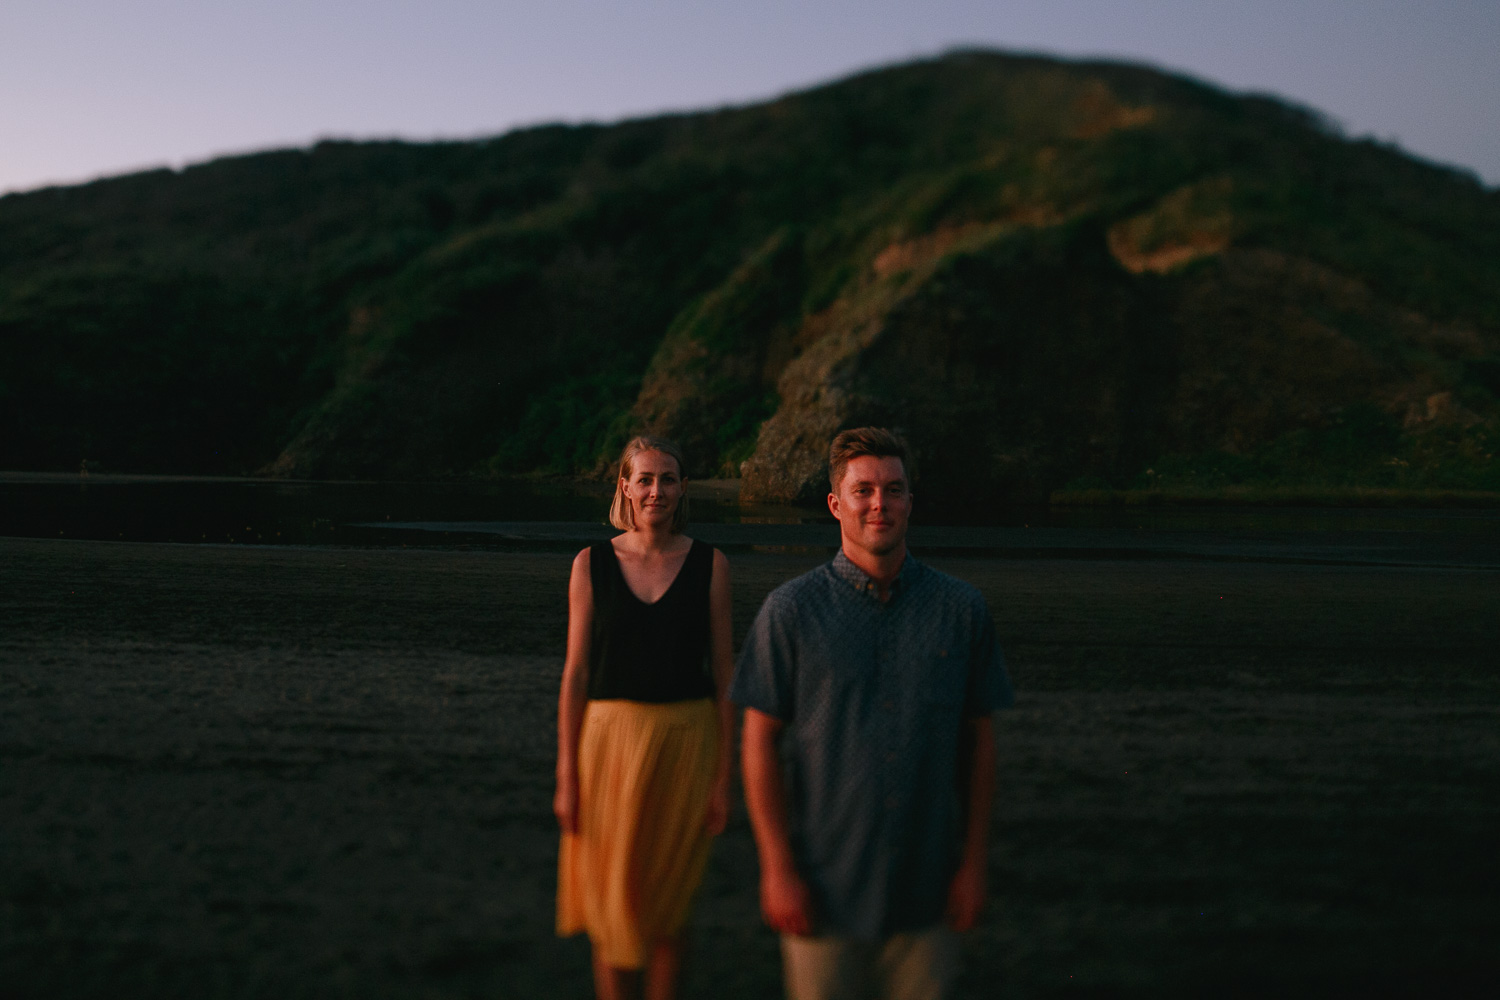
{"x": 238, "y": 771}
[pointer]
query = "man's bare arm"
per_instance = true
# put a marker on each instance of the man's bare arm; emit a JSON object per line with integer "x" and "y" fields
{"x": 784, "y": 899}
{"x": 977, "y": 771}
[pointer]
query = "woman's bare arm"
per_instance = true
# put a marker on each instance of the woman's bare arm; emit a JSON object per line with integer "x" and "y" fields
{"x": 573, "y": 697}
{"x": 721, "y": 661}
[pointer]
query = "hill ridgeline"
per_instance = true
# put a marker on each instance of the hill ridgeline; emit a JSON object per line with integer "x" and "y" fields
{"x": 1047, "y": 273}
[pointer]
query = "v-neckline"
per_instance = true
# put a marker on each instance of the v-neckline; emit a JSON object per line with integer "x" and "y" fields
{"x": 620, "y": 569}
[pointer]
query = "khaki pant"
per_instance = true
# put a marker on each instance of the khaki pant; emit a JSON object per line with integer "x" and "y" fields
{"x": 918, "y": 966}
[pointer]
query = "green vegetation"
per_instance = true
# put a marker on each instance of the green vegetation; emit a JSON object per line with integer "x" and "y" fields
{"x": 1361, "y": 448}
{"x": 1048, "y": 273}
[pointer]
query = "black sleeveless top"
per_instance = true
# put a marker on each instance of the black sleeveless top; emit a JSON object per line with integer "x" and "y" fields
{"x": 650, "y": 652}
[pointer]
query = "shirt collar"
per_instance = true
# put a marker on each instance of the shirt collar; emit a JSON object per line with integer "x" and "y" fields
{"x": 844, "y": 568}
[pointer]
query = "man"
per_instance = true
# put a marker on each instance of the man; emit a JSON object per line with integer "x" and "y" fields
{"x": 879, "y": 676}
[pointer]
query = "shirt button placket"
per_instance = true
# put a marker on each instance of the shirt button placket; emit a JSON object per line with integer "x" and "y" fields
{"x": 889, "y": 662}
{"x": 890, "y": 712}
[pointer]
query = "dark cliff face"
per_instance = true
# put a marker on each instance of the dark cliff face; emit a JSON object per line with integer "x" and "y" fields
{"x": 1011, "y": 364}
{"x": 1044, "y": 272}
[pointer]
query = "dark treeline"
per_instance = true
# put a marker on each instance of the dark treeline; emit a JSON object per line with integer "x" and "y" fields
{"x": 1049, "y": 273}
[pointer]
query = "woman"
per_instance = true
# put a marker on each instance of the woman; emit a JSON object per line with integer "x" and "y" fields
{"x": 643, "y": 729}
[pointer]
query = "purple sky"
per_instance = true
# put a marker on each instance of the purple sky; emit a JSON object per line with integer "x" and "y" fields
{"x": 96, "y": 87}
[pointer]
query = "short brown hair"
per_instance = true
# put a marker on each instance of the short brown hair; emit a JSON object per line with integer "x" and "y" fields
{"x": 875, "y": 441}
{"x": 620, "y": 513}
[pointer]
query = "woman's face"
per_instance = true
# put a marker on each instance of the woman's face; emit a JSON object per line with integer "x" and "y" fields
{"x": 654, "y": 488}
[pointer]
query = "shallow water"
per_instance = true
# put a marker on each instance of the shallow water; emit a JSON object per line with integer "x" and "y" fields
{"x": 525, "y": 514}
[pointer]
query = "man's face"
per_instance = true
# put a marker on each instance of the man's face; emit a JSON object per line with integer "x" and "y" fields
{"x": 873, "y": 504}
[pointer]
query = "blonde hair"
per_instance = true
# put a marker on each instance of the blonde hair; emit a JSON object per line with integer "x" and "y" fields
{"x": 621, "y": 515}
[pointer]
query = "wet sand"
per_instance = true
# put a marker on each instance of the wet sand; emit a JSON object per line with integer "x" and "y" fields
{"x": 249, "y": 772}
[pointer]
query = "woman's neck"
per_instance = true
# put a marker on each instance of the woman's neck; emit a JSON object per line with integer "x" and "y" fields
{"x": 652, "y": 538}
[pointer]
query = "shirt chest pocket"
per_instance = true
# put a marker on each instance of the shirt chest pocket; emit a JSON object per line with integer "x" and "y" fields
{"x": 947, "y": 677}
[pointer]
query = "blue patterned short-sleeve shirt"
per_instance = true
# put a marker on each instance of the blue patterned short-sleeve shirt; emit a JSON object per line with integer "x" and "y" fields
{"x": 872, "y": 696}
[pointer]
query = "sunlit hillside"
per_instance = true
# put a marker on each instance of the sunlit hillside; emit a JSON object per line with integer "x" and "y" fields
{"x": 1048, "y": 273}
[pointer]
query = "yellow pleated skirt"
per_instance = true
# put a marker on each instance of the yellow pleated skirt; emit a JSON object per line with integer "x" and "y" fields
{"x": 628, "y": 876}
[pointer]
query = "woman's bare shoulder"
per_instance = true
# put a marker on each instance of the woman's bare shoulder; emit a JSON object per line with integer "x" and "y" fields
{"x": 718, "y": 573}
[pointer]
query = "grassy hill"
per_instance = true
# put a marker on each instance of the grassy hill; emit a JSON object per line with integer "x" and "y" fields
{"x": 1049, "y": 273}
